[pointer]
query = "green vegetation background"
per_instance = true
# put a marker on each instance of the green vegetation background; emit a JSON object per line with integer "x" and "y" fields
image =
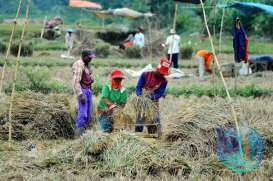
{"x": 188, "y": 21}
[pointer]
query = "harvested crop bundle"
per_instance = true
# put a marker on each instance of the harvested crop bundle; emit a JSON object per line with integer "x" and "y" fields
{"x": 121, "y": 119}
{"x": 41, "y": 116}
{"x": 142, "y": 106}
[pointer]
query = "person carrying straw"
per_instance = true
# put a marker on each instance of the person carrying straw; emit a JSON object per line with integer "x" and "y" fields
{"x": 113, "y": 95}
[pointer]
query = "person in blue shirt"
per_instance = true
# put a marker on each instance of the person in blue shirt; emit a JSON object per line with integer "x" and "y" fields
{"x": 155, "y": 83}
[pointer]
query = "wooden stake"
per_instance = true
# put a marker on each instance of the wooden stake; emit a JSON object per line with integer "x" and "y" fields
{"x": 174, "y": 28}
{"x": 9, "y": 45}
{"x": 16, "y": 70}
{"x": 43, "y": 30}
{"x": 222, "y": 77}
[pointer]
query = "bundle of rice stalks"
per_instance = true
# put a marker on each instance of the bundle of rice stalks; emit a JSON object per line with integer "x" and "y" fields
{"x": 121, "y": 119}
{"x": 142, "y": 106}
{"x": 129, "y": 156}
{"x": 194, "y": 129}
{"x": 93, "y": 145}
{"x": 42, "y": 116}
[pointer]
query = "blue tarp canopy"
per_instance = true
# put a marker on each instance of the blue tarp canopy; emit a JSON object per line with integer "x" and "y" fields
{"x": 190, "y": 1}
{"x": 252, "y": 8}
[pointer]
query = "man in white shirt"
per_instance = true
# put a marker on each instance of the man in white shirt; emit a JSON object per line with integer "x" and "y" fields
{"x": 69, "y": 42}
{"x": 139, "y": 39}
{"x": 173, "y": 43}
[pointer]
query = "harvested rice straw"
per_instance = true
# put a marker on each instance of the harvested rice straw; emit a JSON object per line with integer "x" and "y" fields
{"x": 121, "y": 119}
{"x": 142, "y": 106}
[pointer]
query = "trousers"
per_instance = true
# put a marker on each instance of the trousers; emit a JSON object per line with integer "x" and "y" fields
{"x": 84, "y": 110}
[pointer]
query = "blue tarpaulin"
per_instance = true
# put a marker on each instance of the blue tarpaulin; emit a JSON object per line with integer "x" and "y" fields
{"x": 252, "y": 8}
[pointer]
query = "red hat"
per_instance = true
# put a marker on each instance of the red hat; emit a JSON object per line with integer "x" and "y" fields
{"x": 117, "y": 74}
{"x": 164, "y": 66}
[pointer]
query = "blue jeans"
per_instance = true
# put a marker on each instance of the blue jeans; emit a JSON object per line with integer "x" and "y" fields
{"x": 105, "y": 123}
{"x": 151, "y": 128}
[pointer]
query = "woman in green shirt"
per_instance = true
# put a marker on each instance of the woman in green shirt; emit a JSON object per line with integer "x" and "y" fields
{"x": 113, "y": 94}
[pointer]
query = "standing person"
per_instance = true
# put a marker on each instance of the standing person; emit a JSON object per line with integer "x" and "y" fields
{"x": 204, "y": 59}
{"x": 82, "y": 80}
{"x": 139, "y": 39}
{"x": 240, "y": 45}
{"x": 173, "y": 43}
{"x": 69, "y": 41}
{"x": 113, "y": 94}
{"x": 155, "y": 83}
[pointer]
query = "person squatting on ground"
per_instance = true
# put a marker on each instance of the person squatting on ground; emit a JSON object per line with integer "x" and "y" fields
{"x": 173, "y": 43}
{"x": 82, "y": 80}
{"x": 155, "y": 83}
{"x": 113, "y": 95}
{"x": 204, "y": 59}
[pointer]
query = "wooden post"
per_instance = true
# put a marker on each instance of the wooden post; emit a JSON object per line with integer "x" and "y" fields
{"x": 9, "y": 45}
{"x": 43, "y": 29}
{"x": 16, "y": 70}
{"x": 174, "y": 28}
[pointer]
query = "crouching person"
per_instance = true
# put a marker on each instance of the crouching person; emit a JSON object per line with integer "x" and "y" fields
{"x": 155, "y": 84}
{"x": 82, "y": 80}
{"x": 113, "y": 94}
{"x": 204, "y": 59}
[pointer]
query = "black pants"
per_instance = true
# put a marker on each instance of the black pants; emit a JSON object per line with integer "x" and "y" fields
{"x": 174, "y": 59}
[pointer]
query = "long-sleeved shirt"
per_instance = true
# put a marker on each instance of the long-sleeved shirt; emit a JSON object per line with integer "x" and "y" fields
{"x": 82, "y": 76}
{"x": 148, "y": 81}
{"x": 173, "y": 43}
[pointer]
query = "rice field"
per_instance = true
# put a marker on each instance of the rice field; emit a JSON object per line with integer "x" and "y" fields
{"x": 43, "y": 146}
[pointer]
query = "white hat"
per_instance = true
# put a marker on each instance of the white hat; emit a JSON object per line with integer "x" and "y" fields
{"x": 172, "y": 31}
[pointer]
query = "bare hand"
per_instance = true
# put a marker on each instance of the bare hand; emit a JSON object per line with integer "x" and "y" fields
{"x": 82, "y": 99}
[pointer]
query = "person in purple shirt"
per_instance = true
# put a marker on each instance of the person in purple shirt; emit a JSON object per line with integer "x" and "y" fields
{"x": 155, "y": 84}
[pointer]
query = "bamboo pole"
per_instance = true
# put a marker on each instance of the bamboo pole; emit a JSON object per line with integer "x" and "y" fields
{"x": 221, "y": 31}
{"x": 222, "y": 77}
{"x": 16, "y": 70}
{"x": 43, "y": 29}
{"x": 9, "y": 45}
{"x": 174, "y": 28}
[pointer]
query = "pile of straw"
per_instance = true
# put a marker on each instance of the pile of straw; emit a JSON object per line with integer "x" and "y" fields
{"x": 121, "y": 119}
{"x": 193, "y": 131}
{"x": 40, "y": 116}
{"x": 142, "y": 106}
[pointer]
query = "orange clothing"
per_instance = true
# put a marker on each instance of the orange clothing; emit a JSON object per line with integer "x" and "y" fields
{"x": 208, "y": 58}
{"x": 128, "y": 44}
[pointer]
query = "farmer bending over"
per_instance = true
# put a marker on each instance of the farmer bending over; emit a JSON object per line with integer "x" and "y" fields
{"x": 82, "y": 80}
{"x": 155, "y": 84}
{"x": 113, "y": 94}
{"x": 204, "y": 59}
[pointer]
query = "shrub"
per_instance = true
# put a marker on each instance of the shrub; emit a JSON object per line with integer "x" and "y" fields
{"x": 102, "y": 50}
{"x": 3, "y": 48}
{"x": 133, "y": 52}
{"x": 26, "y": 50}
{"x": 186, "y": 52}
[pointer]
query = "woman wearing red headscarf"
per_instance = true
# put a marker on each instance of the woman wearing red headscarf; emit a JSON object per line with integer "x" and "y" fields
{"x": 113, "y": 94}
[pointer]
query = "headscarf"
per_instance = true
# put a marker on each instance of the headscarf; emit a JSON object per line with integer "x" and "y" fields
{"x": 115, "y": 84}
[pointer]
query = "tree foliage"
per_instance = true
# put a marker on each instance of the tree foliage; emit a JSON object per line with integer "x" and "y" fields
{"x": 188, "y": 20}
